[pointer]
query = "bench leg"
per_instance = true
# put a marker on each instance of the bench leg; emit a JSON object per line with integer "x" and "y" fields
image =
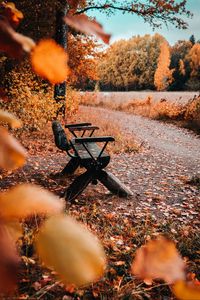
{"x": 78, "y": 185}
{"x": 113, "y": 184}
{"x": 71, "y": 167}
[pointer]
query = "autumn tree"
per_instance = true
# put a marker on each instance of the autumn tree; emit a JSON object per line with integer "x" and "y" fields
{"x": 130, "y": 64}
{"x": 180, "y": 64}
{"x": 163, "y": 75}
{"x": 194, "y": 60}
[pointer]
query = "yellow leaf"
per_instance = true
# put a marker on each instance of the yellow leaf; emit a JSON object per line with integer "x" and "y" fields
{"x": 49, "y": 60}
{"x": 12, "y": 154}
{"x": 71, "y": 250}
{"x": 26, "y": 199}
{"x": 158, "y": 259}
{"x": 186, "y": 291}
{"x": 8, "y": 118}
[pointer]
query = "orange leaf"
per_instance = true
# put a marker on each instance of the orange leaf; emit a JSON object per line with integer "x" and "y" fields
{"x": 13, "y": 43}
{"x": 49, "y": 60}
{"x": 12, "y": 154}
{"x": 12, "y": 14}
{"x": 158, "y": 259}
{"x": 26, "y": 199}
{"x": 8, "y": 118}
{"x": 186, "y": 291}
{"x": 69, "y": 248}
{"x": 84, "y": 24}
{"x": 8, "y": 261}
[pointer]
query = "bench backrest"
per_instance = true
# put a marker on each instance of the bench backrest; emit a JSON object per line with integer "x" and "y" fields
{"x": 60, "y": 137}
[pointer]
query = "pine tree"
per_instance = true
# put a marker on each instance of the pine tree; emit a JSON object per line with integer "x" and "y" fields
{"x": 192, "y": 39}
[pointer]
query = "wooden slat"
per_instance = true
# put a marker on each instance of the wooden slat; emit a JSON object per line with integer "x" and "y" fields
{"x": 93, "y": 149}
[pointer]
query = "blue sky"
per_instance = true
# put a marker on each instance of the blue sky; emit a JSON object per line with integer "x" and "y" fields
{"x": 126, "y": 26}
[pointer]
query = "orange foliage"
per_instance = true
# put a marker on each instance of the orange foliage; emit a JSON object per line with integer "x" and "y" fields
{"x": 49, "y": 60}
{"x": 194, "y": 57}
{"x": 83, "y": 54}
{"x": 163, "y": 75}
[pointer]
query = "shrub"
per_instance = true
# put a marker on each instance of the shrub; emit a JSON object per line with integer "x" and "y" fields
{"x": 192, "y": 112}
{"x": 31, "y": 98}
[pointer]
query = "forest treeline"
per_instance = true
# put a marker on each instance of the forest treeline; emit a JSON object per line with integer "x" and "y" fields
{"x": 149, "y": 62}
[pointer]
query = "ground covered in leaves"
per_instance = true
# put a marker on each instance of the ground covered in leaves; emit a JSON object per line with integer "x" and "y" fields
{"x": 164, "y": 178}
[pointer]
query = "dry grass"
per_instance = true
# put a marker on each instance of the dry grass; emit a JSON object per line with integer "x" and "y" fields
{"x": 188, "y": 113}
{"x": 124, "y": 143}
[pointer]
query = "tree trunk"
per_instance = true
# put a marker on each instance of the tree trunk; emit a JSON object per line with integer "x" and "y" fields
{"x": 61, "y": 39}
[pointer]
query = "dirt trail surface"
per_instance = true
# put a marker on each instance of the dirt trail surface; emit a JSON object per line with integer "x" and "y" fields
{"x": 158, "y": 174}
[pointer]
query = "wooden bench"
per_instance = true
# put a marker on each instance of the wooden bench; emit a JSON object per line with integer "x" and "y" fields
{"x": 87, "y": 153}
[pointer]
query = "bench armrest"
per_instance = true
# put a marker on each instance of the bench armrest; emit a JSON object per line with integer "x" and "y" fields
{"x": 77, "y": 125}
{"x": 94, "y": 139}
{"x": 80, "y": 128}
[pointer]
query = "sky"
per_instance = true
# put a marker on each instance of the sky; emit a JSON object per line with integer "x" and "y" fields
{"x": 125, "y": 26}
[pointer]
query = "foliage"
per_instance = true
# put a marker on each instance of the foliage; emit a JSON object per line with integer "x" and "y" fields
{"x": 163, "y": 75}
{"x": 192, "y": 112}
{"x": 188, "y": 113}
{"x": 149, "y": 62}
{"x": 83, "y": 55}
{"x": 194, "y": 58}
{"x": 124, "y": 65}
{"x": 29, "y": 98}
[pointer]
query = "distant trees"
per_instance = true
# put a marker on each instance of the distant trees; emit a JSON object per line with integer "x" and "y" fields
{"x": 131, "y": 64}
{"x": 149, "y": 62}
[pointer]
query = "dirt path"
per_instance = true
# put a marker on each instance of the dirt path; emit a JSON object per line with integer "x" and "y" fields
{"x": 157, "y": 176}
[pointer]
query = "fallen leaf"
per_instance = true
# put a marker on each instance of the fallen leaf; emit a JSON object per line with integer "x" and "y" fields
{"x": 186, "y": 291}
{"x": 12, "y": 154}
{"x": 26, "y": 199}
{"x": 158, "y": 259}
{"x": 71, "y": 250}
{"x": 49, "y": 60}
{"x": 84, "y": 24}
